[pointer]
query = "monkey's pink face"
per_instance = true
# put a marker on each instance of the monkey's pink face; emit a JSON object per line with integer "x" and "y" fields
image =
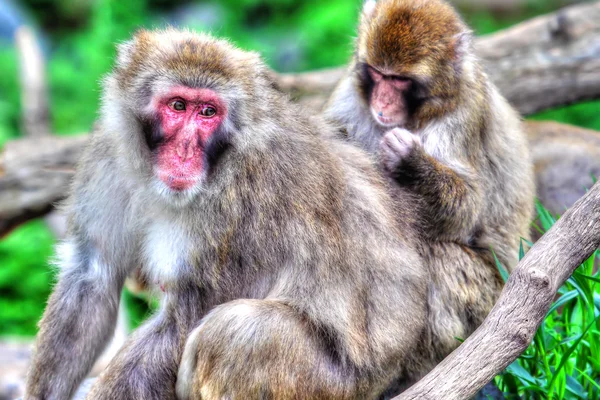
{"x": 388, "y": 98}
{"x": 188, "y": 118}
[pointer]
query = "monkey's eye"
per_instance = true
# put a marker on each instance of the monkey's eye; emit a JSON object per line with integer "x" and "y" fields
{"x": 208, "y": 111}
{"x": 177, "y": 105}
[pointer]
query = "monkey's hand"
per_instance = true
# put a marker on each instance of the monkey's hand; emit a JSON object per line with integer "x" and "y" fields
{"x": 396, "y": 146}
{"x": 146, "y": 366}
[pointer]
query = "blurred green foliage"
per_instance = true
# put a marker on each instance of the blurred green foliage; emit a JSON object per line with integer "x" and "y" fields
{"x": 292, "y": 35}
{"x": 24, "y": 277}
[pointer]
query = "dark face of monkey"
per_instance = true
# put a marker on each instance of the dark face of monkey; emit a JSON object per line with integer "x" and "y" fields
{"x": 390, "y": 99}
{"x": 408, "y": 61}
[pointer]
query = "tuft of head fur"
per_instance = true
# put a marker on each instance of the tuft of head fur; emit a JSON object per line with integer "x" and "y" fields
{"x": 403, "y": 33}
{"x": 189, "y": 58}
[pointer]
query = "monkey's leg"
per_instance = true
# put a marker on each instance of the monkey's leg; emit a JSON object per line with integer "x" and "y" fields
{"x": 77, "y": 324}
{"x": 464, "y": 287}
{"x": 262, "y": 349}
{"x": 452, "y": 199}
{"x": 146, "y": 367}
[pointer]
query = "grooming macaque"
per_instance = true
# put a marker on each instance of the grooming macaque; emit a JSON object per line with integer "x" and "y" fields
{"x": 282, "y": 260}
{"x": 416, "y": 97}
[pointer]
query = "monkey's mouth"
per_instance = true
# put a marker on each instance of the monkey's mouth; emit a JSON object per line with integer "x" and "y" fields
{"x": 177, "y": 182}
{"x": 387, "y": 122}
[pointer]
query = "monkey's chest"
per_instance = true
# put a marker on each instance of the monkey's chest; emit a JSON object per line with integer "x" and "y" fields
{"x": 165, "y": 251}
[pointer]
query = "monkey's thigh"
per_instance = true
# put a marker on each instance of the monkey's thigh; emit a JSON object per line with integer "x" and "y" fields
{"x": 259, "y": 349}
{"x": 464, "y": 287}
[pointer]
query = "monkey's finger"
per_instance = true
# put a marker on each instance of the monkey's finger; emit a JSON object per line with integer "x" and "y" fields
{"x": 405, "y": 136}
{"x": 390, "y": 159}
{"x": 391, "y": 140}
{"x": 397, "y": 145}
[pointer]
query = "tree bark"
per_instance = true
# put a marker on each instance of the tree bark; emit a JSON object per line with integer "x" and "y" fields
{"x": 34, "y": 175}
{"x": 523, "y": 304}
{"x": 35, "y": 172}
{"x": 566, "y": 160}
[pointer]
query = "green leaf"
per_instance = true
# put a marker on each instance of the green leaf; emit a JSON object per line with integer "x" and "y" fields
{"x": 517, "y": 370}
{"x": 564, "y": 299}
{"x": 591, "y": 278}
{"x": 570, "y": 350}
{"x": 575, "y": 388}
{"x": 546, "y": 218}
{"x": 501, "y": 269}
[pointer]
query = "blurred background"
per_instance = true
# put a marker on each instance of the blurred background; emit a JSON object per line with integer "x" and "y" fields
{"x": 78, "y": 44}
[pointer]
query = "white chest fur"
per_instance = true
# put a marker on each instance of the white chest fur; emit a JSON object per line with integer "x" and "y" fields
{"x": 166, "y": 248}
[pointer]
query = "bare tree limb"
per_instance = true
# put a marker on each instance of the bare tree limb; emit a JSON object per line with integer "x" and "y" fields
{"x": 523, "y": 304}
{"x": 34, "y": 95}
{"x": 548, "y": 61}
{"x": 566, "y": 160}
{"x": 34, "y": 174}
{"x": 542, "y": 63}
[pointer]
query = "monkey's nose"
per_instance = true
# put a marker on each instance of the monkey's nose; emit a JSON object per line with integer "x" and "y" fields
{"x": 185, "y": 151}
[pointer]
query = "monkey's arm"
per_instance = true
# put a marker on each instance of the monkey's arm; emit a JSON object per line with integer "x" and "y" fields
{"x": 146, "y": 367}
{"x": 452, "y": 199}
{"x": 81, "y": 313}
{"x": 77, "y": 324}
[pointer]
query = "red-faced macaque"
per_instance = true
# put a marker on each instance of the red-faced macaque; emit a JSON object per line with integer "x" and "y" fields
{"x": 416, "y": 98}
{"x": 282, "y": 261}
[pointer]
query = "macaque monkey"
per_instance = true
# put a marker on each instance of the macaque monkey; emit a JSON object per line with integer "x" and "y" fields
{"x": 281, "y": 259}
{"x": 416, "y": 97}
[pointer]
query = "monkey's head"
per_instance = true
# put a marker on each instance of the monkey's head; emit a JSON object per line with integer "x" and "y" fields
{"x": 410, "y": 59}
{"x": 176, "y": 102}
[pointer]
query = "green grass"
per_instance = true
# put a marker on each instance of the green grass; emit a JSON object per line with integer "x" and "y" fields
{"x": 563, "y": 362}
{"x": 25, "y": 278}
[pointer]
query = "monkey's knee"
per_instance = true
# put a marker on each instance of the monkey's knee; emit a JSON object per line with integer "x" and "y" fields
{"x": 250, "y": 349}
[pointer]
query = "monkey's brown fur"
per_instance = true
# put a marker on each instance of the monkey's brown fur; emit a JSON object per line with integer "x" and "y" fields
{"x": 472, "y": 170}
{"x": 291, "y": 264}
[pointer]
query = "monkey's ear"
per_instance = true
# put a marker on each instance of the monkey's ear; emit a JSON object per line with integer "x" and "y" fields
{"x": 368, "y": 10}
{"x": 462, "y": 44}
{"x": 125, "y": 52}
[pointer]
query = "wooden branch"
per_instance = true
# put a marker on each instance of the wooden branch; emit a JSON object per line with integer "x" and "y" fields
{"x": 566, "y": 160}
{"x": 542, "y": 63}
{"x": 34, "y": 174}
{"x": 548, "y": 61}
{"x": 34, "y": 95}
{"x": 523, "y": 304}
